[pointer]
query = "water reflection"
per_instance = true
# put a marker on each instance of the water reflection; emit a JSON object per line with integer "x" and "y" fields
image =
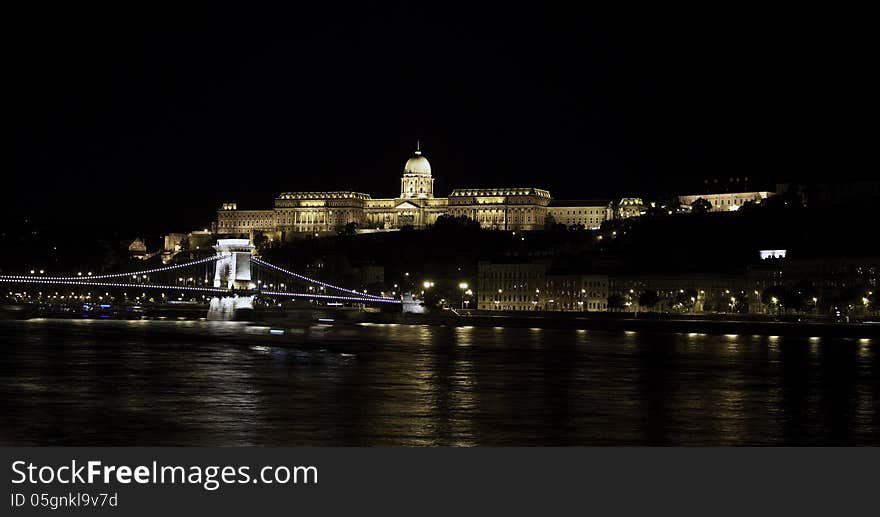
{"x": 82, "y": 382}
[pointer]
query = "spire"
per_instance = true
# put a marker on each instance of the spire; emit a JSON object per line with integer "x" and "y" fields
{"x": 418, "y": 147}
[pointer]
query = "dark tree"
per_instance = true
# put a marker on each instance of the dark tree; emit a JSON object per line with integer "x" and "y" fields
{"x": 740, "y": 303}
{"x": 648, "y": 299}
{"x": 260, "y": 241}
{"x": 749, "y": 207}
{"x": 615, "y": 302}
{"x": 800, "y": 297}
{"x": 701, "y": 206}
{"x": 450, "y": 224}
{"x": 348, "y": 229}
{"x": 656, "y": 210}
{"x": 686, "y": 298}
{"x": 772, "y": 293}
{"x": 846, "y": 297}
{"x": 673, "y": 204}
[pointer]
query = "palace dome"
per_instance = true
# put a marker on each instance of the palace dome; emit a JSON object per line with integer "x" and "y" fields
{"x": 418, "y": 164}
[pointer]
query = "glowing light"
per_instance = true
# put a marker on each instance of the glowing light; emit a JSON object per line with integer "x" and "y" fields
{"x": 767, "y": 254}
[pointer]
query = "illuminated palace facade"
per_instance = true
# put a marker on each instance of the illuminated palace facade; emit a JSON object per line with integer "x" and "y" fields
{"x": 298, "y": 214}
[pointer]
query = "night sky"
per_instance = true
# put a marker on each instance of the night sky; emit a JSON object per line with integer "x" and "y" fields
{"x": 153, "y": 123}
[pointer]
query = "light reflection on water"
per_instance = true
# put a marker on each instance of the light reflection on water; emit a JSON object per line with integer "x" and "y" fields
{"x": 85, "y": 382}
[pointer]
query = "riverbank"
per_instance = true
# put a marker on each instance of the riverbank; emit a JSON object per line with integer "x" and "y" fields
{"x": 619, "y": 322}
{"x": 622, "y": 322}
{"x": 689, "y": 325}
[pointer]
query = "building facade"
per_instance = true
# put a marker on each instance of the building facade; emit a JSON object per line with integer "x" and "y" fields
{"x": 588, "y": 213}
{"x": 692, "y": 293}
{"x": 630, "y": 207}
{"x": 509, "y": 287}
{"x": 297, "y": 214}
{"x": 528, "y": 287}
{"x": 726, "y": 202}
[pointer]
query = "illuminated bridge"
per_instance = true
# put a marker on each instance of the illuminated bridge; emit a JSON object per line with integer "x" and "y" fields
{"x": 232, "y": 271}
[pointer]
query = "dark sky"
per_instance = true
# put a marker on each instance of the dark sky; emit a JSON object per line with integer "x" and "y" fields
{"x": 154, "y": 122}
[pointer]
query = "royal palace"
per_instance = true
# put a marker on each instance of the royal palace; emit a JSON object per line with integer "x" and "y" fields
{"x": 298, "y": 214}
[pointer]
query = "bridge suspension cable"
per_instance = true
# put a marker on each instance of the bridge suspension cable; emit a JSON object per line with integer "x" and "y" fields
{"x": 113, "y": 275}
{"x": 318, "y": 282}
{"x": 80, "y": 282}
{"x": 330, "y": 297}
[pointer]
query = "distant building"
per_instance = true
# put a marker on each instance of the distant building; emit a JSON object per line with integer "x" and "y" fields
{"x": 368, "y": 274}
{"x": 528, "y": 287}
{"x": 137, "y": 249}
{"x": 200, "y": 239}
{"x": 726, "y": 202}
{"x": 502, "y": 208}
{"x": 174, "y": 241}
{"x": 836, "y": 283}
{"x": 584, "y": 293}
{"x": 694, "y": 293}
{"x": 509, "y": 287}
{"x": 298, "y": 214}
{"x": 823, "y": 286}
{"x": 772, "y": 254}
{"x": 629, "y": 207}
{"x": 587, "y": 213}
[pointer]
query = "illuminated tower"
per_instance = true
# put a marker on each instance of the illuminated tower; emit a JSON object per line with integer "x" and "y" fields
{"x": 417, "y": 181}
{"x": 233, "y": 269}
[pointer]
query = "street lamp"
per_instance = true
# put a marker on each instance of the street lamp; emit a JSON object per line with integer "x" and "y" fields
{"x": 465, "y": 291}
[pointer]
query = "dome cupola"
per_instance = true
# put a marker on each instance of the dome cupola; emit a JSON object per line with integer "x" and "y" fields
{"x": 417, "y": 164}
{"x": 417, "y": 182}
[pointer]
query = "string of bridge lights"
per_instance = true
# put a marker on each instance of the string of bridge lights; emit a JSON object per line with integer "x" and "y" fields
{"x": 113, "y": 275}
{"x": 81, "y": 281}
{"x": 331, "y": 297}
{"x": 318, "y": 282}
{"x": 52, "y": 281}
{"x": 48, "y": 281}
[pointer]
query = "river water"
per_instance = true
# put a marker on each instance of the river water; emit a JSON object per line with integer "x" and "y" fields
{"x": 93, "y": 382}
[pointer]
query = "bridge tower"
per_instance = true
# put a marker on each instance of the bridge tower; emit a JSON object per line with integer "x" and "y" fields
{"x": 233, "y": 269}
